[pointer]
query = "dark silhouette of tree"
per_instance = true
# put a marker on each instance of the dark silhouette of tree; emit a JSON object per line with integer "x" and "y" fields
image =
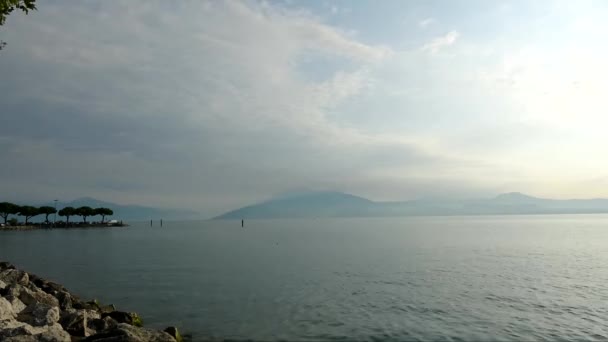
{"x": 103, "y": 212}
{"x": 6, "y": 209}
{"x": 28, "y": 212}
{"x": 67, "y": 212}
{"x": 8, "y": 6}
{"x": 46, "y": 210}
{"x": 85, "y": 212}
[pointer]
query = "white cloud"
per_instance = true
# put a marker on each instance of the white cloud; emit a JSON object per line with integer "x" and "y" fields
{"x": 441, "y": 42}
{"x": 425, "y": 23}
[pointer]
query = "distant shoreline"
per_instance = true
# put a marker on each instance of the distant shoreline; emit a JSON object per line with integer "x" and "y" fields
{"x": 62, "y": 226}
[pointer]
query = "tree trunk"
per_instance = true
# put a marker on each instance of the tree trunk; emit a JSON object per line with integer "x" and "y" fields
{"x": 84, "y": 219}
{"x": 103, "y": 217}
{"x": 67, "y": 221}
{"x": 26, "y": 218}
{"x": 5, "y": 217}
{"x": 46, "y": 219}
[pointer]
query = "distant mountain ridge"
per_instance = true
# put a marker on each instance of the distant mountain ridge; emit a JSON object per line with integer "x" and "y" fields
{"x": 128, "y": 211}
{"x": 338, "y": 204}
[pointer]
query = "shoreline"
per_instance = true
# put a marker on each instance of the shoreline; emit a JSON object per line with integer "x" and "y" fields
{"x": 36, "y": 309}
{"x": 78, "y": 226}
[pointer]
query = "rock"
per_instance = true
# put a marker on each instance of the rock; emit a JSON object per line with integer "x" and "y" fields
{"x": 18, "y": 305}
{"x": 47, "y": 286}
{"x": 101, "y": 324}
{"x": 39, "y": 314}
{"x": 28, "y": 297}
{"x": 13, "y": 276}
{"x": 90, "y": 305}
{"x": 2, "y": 285}
{"x": 16, "y": 331}
{"x": 6, "y": 310}
{"x": 107, "y": 308}
{"x": 64, "y": 299}
{"x": 125, "y": 317}
{"x": 75, "y": 323}
{"x": 174, "y": 333}
{"x": 6, "y": 266}
{"x": 127, "y": 333}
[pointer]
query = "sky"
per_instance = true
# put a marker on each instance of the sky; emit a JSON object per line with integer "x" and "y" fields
{"x": 212, "y": 105}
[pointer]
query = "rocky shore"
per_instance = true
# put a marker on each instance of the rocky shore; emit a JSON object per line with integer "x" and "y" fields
{"x": 33, "y": 309}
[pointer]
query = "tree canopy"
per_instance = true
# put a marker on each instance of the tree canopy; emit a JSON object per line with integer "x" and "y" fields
{"x": 46, "y": 210}
{"x": 8, "y": 6}
{"x": 6, "y": 209}
{"x": 67, "y": 212}
{"x": 85, "y": 212}
{"x": 28, "y": 212}
{"x": 103, "y": 212}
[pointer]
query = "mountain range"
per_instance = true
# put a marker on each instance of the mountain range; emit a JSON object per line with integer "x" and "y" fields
{"x": 338, "y": 204}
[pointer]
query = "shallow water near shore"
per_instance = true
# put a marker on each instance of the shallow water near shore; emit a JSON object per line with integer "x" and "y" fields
{"x": 426, "y": 278}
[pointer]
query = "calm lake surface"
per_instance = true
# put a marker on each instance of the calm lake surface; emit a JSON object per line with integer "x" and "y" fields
{"x": 426, "y": 278}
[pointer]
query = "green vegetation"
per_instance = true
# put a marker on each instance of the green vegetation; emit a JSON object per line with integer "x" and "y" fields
{"x": 67, "y": 212}
{"x": 8, "y": 6}
{"x": 27, "y": 212}
{"x": 46, "y": 210}
{"x": 103, "y": 212}
{"x": 6, "y": 209}
{"x": 85, "y": 212}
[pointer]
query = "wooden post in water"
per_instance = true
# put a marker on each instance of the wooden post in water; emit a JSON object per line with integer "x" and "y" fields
{"x": 242, "y": 223}
{"x": 161, "y": 222}
{"x": 150, "y": 223}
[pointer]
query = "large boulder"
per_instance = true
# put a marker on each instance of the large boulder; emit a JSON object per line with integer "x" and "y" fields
{"x": 6, "y": 266}
{"x": 6, "y": 310}
{"x": 64, "y": 299}
{"x": 127, "y": 333}
{"x": 13, "y": 276}
{"x": 174, "y": 333}
{"x": 39, "y": 314}
{"x": 130, "y": 318}
{"x": 15, "y": 331}
{"x": 101, "y": 324}
{"x": 28, "y": 297}
{"x": 75, "y": 323}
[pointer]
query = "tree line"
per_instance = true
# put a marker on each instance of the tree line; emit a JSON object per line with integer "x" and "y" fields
{"x": 27, "y": 211}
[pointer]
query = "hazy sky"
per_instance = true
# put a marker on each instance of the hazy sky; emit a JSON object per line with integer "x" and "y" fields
{"x": 213, "y": 105}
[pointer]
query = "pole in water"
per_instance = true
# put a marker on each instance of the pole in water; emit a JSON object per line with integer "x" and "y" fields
{"x": 150, "y": 223}
{"x": 242, "y": 223}
{"x": 161, "y": 222}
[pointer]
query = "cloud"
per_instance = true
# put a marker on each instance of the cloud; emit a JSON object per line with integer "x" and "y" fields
{"x": 441, "y": 42}
{"x": 425, "y": 23}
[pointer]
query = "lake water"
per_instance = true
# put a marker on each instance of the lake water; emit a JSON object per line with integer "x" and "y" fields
{"x": 426, "y": 278}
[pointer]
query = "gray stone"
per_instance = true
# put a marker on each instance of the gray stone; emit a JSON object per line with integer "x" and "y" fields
{"x": 5, "y": 266}
{"x": 6, "y": 310}
{"x": 39, "y": 314}
{"x": 13, "y": 276}
{"x": 64, "y": 299}
{"x": 174, "y": 333}
{"x": 127, "y": 333}
{"x": 28, "y": 297}
{"x": 3, "y": 285}
{"x": 18, "y": 331}
{"x": 75, "y": 323}
{"x": 101, "y": 324}
{"x": 107, "y": 308}
{"x": 130, "y": 318}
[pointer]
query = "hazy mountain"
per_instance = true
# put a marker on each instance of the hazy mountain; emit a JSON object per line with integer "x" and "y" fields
{"x": 336, "y": 204}
{"x": 129, "y": 212}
